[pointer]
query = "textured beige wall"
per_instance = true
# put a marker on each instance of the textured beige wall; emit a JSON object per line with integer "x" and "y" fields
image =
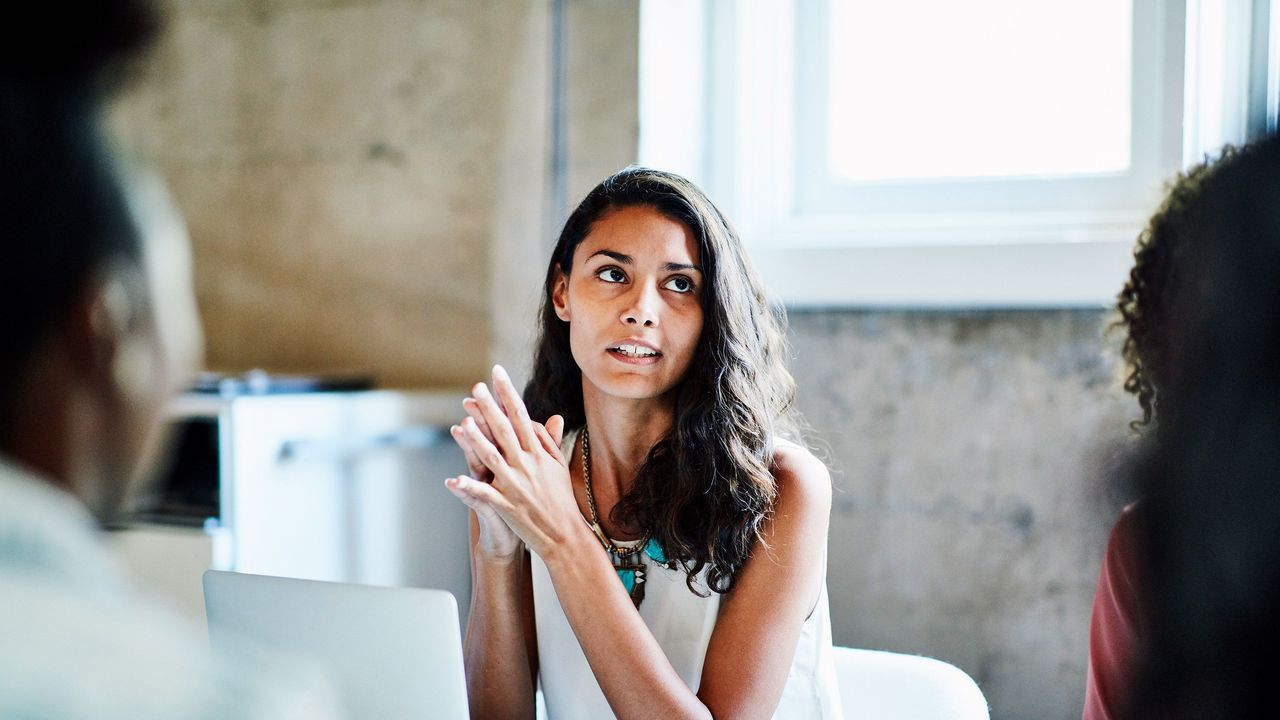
{"x": 365, "y": 180}
{"x": 604, "y": 111}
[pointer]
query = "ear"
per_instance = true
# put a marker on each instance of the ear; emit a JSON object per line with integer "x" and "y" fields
{"x": 560, "y": 295}
{"x": 95, "y": 327}
{"x": 102, "y": 337}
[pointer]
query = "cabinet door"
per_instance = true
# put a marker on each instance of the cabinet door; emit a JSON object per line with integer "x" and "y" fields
{"x": 346, "y": 487}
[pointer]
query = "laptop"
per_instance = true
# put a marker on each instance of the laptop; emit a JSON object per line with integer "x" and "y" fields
{"x": 392, "y": 652}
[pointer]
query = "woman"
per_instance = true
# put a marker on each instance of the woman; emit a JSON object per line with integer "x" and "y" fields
{"x": 666, "y": 556}
{"x": 1146, "y": 312}
{"x": 1213, "y": 530}
{"x": 1178, "y": 588}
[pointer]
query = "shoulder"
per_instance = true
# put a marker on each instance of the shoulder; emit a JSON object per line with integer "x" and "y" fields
{"x": 62, "y": 632}
{"x": 1116, "y": 623}
{"x": 1119, "y": 598}
{"x": 802, "y": 480}
{"x": 1127, "y": 534}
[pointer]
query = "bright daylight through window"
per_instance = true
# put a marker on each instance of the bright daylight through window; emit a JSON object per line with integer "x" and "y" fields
{"x": 983, "y": 88}
{"x": 987, "y": 153}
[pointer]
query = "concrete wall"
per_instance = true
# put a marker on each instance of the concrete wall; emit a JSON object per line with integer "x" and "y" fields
{"x": 973, "y": 455}
{"x": 366, "y": 180}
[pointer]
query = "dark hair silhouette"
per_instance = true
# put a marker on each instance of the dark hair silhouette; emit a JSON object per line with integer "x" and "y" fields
{"x": 63, "y": 215}
{"x": 1212, "y": 479}
{"x": 1143, "y": 307}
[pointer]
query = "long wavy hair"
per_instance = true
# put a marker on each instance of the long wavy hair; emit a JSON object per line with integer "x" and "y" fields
{"x": 1156, "y": 282}
{"x": 706, "y": 488}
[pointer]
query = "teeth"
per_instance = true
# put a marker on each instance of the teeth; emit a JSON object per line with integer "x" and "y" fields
{"x": 635, "y": 351}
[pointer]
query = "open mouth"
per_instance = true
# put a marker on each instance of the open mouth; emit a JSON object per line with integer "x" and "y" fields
{"x": 634, "y": 352}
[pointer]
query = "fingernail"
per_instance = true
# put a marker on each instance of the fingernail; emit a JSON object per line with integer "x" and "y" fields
{"x": 500, "y": 371}
{"x": 481, "y": 390}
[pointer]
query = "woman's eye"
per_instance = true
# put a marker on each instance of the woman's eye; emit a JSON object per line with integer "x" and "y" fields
{"x": 680, "y": 284}
{"x": 611, "y": 275}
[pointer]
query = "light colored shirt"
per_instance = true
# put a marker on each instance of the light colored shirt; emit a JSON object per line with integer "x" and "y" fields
{"x": 78, "y": 641}
{"x": 682, "y": 623}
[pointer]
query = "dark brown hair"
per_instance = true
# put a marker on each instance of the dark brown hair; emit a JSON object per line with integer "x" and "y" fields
{"x": 1156, "y": 282}
{"x": 706, "y": 488}
{"x": 63, "y": 214}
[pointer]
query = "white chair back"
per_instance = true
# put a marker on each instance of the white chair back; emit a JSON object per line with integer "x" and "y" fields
{"x": 893, "y": 686}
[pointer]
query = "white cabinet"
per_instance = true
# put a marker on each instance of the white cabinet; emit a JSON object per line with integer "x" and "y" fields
{"x": 332, "y": 486}
{"x": 347, "y": 487}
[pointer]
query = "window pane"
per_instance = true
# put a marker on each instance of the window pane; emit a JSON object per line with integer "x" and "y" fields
{"x": 981, "y": 88}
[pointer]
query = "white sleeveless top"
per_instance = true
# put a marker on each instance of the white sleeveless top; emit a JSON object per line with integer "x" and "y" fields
{"x": 682, "y": 623}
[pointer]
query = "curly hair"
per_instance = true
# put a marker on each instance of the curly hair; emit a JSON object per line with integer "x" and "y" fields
{"x": 1156, "y": 281}
{"x": 706, "y": 488}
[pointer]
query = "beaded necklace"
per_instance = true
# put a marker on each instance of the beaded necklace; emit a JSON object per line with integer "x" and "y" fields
{"x": 626, "y": 561}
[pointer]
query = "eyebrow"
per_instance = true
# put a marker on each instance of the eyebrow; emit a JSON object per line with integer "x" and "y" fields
{"x": 628, "y": 260}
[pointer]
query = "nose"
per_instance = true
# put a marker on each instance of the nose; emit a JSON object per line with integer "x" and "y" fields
{"x": 642, "y": 308}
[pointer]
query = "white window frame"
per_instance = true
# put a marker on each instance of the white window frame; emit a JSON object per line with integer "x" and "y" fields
{"x": 741, "y": 76}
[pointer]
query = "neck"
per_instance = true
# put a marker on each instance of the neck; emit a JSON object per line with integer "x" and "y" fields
{"x": 622, "y": 432}
{"x": 48, "y": 423}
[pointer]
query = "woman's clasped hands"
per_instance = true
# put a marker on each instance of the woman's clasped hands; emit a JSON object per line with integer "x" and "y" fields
{"x": 519, "y": 485}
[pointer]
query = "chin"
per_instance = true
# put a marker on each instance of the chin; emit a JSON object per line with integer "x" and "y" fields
{"x": 633, "y": 386}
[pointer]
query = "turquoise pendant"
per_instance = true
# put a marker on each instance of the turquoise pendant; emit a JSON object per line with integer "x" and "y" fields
{"x": 628, "y": 577}
{"x": 632, "y": 577}
{"x": 654, "y": 551}
{"x": 632, "y": 574}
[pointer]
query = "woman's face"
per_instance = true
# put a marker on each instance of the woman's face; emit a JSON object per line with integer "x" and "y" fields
{"x": 633, "y": 301}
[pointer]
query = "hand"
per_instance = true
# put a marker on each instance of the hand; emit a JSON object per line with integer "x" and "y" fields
{"x": 530, "y": 488}
{"x": 496, "y": 540}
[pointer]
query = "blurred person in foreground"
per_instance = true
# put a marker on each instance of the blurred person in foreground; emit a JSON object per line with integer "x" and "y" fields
{"x": 98, "y": 329}
{"x": 1185, "y": 613}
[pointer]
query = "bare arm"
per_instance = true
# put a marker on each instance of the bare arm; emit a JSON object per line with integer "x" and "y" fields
{"x": 760, "y": 621}
{"x": 499, "y": 649}
{"x": 500, "y": 646}
{"x": 633, "y": 672}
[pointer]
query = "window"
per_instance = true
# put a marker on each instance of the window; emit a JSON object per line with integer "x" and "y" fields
{"x": 1007, "y": 93}
{"x": 934, "y": 153}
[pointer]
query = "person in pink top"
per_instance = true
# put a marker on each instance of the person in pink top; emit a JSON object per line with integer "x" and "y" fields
{"x": 1167, "y": 290}
{"x": 1116, "y": 624}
